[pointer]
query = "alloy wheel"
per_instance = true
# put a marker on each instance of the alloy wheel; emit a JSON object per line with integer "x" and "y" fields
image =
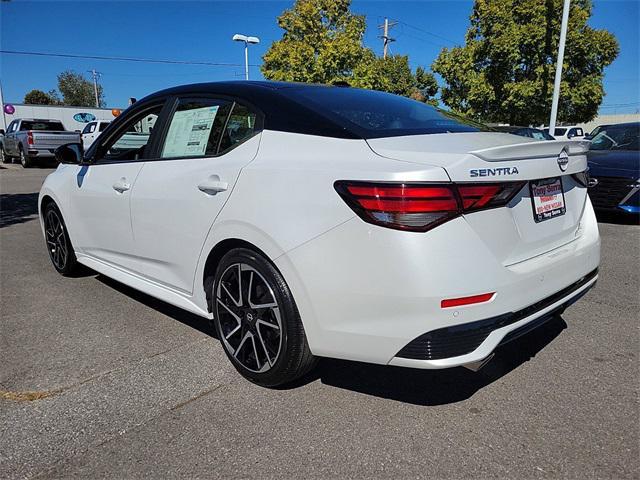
{"x": 56, "y": 239}
{"x": 249, "y": 318}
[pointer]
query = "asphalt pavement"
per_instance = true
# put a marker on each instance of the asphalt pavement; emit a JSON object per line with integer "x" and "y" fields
{"x": 100, "y": 381}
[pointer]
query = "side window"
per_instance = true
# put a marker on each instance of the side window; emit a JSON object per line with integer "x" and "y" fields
{"x": 132, "y": 138}
{"x": 103, "y": 125}
{"x": 195, "y": 128}
{"x": 12, "y": 126}
{"x": 89, "y": 128}
{"x": 241, "y": 125}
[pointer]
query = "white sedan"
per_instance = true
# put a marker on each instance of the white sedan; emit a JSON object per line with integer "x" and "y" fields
{"x": 309, "y": 221}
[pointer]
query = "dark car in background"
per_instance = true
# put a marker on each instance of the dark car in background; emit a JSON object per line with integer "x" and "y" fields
{"x": 614, "y": 168}
{"x": 525, "y": 132}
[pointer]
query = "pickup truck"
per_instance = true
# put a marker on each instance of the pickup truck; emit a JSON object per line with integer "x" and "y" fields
{"x": 32, "y": 139}
{"x": 92, "y": 131}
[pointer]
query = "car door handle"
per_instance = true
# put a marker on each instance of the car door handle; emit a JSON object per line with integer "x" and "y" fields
{"x": 121, "y": 185}
{"x": 213, "y": 185}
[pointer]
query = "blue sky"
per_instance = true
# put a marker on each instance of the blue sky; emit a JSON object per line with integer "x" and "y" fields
{"x": 202, "y": 31}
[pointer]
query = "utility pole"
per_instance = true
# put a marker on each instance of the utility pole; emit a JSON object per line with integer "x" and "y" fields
{"x": 386, "y": 39}
{"x": 3, "y": 125}
{"x": 95, "y": 76}
{"x": 556, "y": 85}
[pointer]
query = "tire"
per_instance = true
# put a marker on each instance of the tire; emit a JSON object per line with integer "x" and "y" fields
{"x": 57, "y": 241}
{"x": 4, "y": 158}
{"x": 259, "y": 326}
{"x": 25, "y": 160}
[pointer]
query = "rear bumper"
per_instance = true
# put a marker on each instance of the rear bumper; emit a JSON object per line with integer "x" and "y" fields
{"x": 474, "y": 341}
{"x": 364, "y": 292}
{"x": 40, "y": 153}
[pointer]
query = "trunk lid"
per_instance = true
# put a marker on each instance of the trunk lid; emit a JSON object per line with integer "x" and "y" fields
{"x": 511, "y": 233}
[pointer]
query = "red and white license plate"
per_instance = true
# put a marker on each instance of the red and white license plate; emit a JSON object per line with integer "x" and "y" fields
{"x": 547, "y": 198}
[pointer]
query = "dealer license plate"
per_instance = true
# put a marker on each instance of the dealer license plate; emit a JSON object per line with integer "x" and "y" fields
{"x": 547, "y": 198}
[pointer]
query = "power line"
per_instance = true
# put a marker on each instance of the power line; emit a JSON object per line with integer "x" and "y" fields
{"x": 428, "y": 33}
{"x": 123, "y": 59}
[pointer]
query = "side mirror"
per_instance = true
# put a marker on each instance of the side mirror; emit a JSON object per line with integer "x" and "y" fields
{"x": 70, "y": 153}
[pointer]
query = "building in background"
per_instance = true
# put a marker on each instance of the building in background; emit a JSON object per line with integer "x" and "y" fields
{"x": 609, "y": 120}
{"x": 73, "y": 118}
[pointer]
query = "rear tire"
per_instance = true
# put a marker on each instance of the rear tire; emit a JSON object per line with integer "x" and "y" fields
{"x": 58, "y": 243}
{"x": 25, "y": 160}
{"x": 257, "y": 321}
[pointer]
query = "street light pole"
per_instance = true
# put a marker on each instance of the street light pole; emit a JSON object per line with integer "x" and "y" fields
{"x": 246, "y": 60}
{"x": 556, "y": 85}
{"x": 247, "y": 40}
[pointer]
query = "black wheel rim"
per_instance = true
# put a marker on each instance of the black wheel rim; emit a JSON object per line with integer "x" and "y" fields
{"x": 56, "y": 239}
{"x": 249, "y": 318}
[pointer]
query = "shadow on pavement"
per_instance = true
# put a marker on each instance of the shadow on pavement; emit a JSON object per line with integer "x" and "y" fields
{"x": 434, "y": 387}
{"x": 190, "y": 319}
{"x": 418, "y": 387}
{"x": 17, "y": 208}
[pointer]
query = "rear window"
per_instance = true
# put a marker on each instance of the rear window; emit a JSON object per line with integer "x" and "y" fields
{"x": 557, "y": 131}
{"x": 617, "y": 137}
{"x": 42, "y": 126}
{"x": 373, "y": 114}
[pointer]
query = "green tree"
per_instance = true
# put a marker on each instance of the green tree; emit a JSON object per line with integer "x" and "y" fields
{"x": 76, "y": 90}
{"x": 505, "y": 70}
{"x": 38, "y": 97}
{"x": 322, "y": 43}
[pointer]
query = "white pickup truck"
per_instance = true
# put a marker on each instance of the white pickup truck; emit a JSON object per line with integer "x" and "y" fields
{"x": 30, "y": 139}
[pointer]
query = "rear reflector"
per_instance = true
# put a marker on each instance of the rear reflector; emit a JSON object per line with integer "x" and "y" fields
{"x": 459, "y": 302}
{"x": 419, "y": 207}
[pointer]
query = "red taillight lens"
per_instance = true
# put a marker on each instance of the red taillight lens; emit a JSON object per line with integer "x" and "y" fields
{"x": 420, "y": 207}
{"x": 30, "y": 138}
{"x": 460, "y": 302}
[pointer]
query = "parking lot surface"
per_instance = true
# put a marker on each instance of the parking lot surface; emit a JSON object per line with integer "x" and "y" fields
{"x": 98, "y": 380}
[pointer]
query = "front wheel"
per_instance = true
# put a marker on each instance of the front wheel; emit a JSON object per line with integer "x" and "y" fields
{"x": 59, "y": 245}
{"x": 257, "y": 320}
{"x": 4, "y": 158}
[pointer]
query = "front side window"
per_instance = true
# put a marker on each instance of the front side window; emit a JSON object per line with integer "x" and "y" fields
{"x": 195, "y": 128}
{"x": 132, "y": 139}
{"x": 89, "y": 128}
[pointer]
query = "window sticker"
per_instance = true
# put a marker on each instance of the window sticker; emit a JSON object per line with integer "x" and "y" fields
{"x": 189, "y": 132}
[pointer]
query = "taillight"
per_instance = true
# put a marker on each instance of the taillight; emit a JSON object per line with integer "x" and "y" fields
{"x": 419, "y": 207}
{"x": 30, "y": 137}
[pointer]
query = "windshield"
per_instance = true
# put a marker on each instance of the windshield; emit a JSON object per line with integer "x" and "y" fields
{"x": 41, "y": 126}
{"x": 617, "y": 137}
{"x": 374, "y": 114}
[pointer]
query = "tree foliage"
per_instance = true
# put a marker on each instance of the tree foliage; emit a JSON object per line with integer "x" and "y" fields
{"x": 505, "y": 71}
{"x": 322, "y": 43}
{"x": 76, "y": 90}
{"x": 38, "y": 97}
